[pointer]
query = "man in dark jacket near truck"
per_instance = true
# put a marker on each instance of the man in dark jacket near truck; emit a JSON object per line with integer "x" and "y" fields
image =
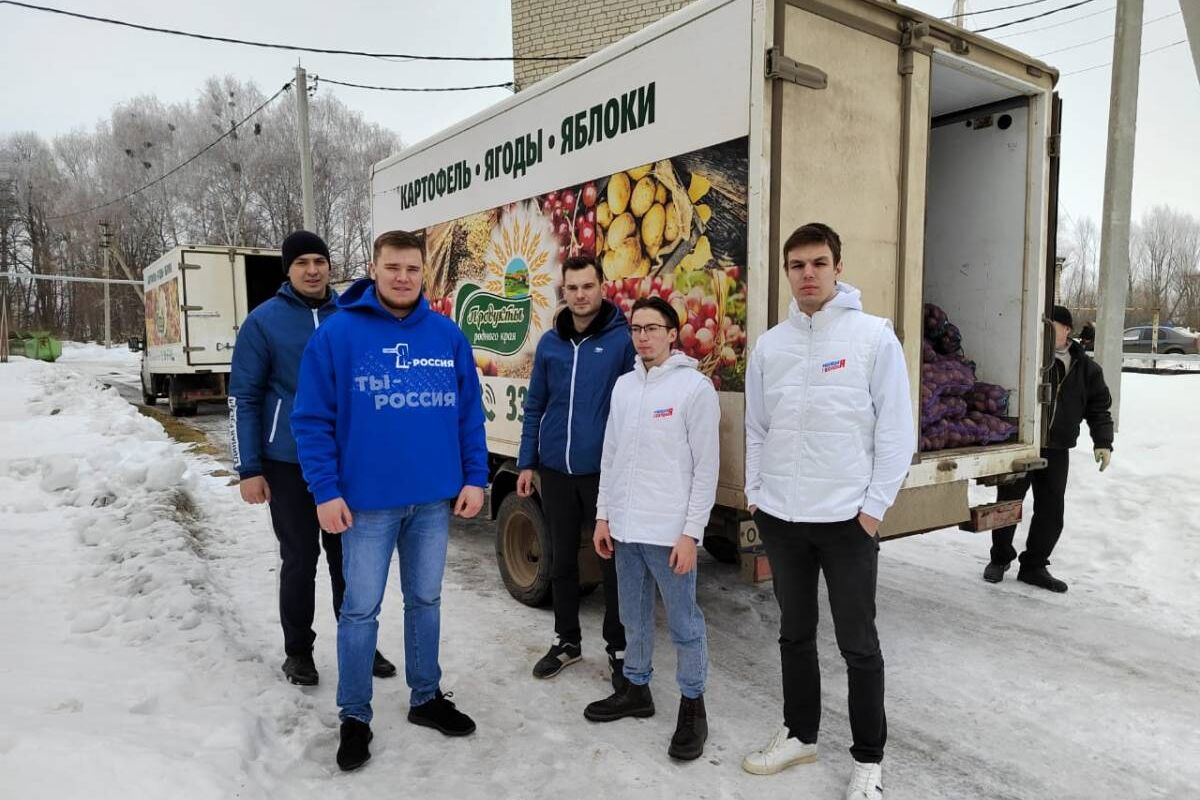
{"x": 1078, "y": 392}
{"x": 262, "y": 388}
{"x": 574, "y": 370}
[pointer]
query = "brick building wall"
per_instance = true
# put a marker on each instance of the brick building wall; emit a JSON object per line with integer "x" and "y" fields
{"x": 544, "y": 27}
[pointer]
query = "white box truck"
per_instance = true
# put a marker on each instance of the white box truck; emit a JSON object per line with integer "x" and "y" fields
{"x": 196, "y": 299}
{"x": 683, "y": 155}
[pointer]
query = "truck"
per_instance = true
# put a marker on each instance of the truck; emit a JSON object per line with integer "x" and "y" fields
{"x": 683, "y": 155}
{"x": 196, "y": 299}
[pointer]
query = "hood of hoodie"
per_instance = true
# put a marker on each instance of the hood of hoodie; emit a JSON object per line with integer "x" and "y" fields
{"x": 606, "y": 319}
{"x": 288, "y": 293}
{"x": 677, "y": 360}
{"x": 361, "y": 297}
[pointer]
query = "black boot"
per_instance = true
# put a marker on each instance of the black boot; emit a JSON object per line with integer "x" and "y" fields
{"x": 353, "y": 751}
{"x": 441, "y": 714}
{"x": 1041, "y": 577}
{"x": 994, "y": 572}
{"x": 691, "y": 730}
{"x": 630, "y": 700}
{"x": 616, "y": 664}
{"x": 382, "y": 668}
{"x": 301, "y": 670}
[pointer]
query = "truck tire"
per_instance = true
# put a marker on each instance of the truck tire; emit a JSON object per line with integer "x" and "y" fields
{"x": 177, "y": 407}
{"x": 523, "y": 550}
{"x": 723, "y": 549}
{"x": 149, "y": 398}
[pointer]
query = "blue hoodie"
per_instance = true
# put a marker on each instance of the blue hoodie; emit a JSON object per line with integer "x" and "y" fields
{"x": 262, "y": 380}
{"x": 566, "y": 407}
{"x": 389, "y": 411}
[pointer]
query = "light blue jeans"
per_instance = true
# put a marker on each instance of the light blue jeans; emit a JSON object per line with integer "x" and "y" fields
{"x": 418, "y": 533}
{"x": 641, "y": 567}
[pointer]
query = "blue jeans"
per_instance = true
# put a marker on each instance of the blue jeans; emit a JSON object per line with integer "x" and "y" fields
{"x": 418, "y": 533}
{"x": 640, "y": 567}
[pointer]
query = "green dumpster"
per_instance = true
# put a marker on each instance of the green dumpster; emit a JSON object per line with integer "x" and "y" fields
{"x": 40, "y": 345}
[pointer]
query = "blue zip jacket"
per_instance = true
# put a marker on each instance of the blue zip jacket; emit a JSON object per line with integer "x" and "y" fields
{"x": 262, "y": 379}
{"x": 566, "y": 407}
{"x": 389, "y": 411}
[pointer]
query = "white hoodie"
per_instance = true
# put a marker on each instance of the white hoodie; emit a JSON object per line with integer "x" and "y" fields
{"x": 658, "y": 471}
{"x": 829, "y": 419}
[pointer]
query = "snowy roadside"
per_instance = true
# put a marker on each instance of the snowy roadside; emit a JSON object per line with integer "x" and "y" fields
{"x": 143, "y": 647}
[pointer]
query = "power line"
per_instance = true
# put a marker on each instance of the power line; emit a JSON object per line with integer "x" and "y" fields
{"x": 993, "y": 10}
{"x": 1070, "y": 21}
{"x": 1103, "y": 38}
{"x": 1035, "y": 16}
{"x": 318, "y": 79}
{"x": 1106, "y": 63}
{"x": 233, "y": 128}
{"x": 275, "y": 45}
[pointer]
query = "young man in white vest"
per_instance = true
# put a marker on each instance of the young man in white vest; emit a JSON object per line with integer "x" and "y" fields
{"x": 829, "y": 439}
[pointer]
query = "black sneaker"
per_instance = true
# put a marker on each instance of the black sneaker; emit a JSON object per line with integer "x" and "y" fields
{"x": 560, "y": 654}
{"x": 691, "y": 730}
{"x": 631, "y": 700}
{"x": 353, "y": 751}
{"x": 301, "y": 670}
{"x": 616, "y": 663}
{"x": 382, "y": 668}
{"x": 441, "y": 714}
{"x": 994, "y": 573}
{"x": 1041, "y": 577}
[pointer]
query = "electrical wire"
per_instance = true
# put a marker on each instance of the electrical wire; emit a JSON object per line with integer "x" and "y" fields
{"x": 275, "y": 45}
{"x": 323, "y": 79}
{"x": 1070, "y": 21}
{"x": 1107, "y": 63}
{"x": 1103, "y": 38}
{"x": 993, "y": 10}
{"x": 232, "y": 129}
{"x": 1035, "y": 16}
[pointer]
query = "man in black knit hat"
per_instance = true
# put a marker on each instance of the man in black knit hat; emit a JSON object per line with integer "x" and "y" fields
{"x": 1078, "y": 392}
{"x": 262, "y": 388}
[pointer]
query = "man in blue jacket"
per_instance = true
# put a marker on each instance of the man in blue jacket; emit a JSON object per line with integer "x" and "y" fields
{"x": 389, "y": 427}
{"x": 262, "y": 387}
{"x": 566, "y": 409}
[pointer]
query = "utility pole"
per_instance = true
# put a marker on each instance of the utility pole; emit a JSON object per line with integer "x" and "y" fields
{"x": 1191, "y": 22}
{"x": 104, "y": 245}
{"x": 959, "y": 15}
{"x": 1118, "y": 194}
{"x": 306, "y": 168}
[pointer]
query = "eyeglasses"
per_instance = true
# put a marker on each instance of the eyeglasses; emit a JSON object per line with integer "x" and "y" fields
{"x": 652, "y": 328}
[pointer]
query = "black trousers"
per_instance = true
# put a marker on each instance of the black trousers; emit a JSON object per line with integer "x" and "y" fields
{"x": 294, "y": 517}
{"x": 1049, "y": 492}
{"x": 849, "y": 557}
{"x": 569, "y": 503}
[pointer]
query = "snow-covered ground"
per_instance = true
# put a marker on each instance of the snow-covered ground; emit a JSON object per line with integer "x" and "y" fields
{"x": 142, "y": 648}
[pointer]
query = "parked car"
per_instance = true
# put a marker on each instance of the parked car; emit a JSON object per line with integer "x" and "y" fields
{"x": 1171, "y": 341}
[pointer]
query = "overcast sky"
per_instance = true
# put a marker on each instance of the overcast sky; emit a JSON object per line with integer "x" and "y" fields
{"x": 66, "y": 74}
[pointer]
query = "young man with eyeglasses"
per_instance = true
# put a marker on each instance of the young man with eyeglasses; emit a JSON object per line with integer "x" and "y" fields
{"x": 574, "y": 369}
{"x": 658, "y": 483}
{"x": 829, "y": 439}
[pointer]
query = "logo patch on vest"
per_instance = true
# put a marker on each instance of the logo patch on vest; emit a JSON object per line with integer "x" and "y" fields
{"x": 830, "y": 366}
{"x": 663, "y": 413}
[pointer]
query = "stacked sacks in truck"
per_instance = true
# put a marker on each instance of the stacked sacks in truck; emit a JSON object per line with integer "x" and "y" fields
{"x": 956, "y": 409}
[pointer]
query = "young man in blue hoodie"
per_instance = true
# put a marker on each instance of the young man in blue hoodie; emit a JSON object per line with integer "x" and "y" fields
{"x": 262, "y": 388}
{"x": 389, "y": 427}
{"x": 574, "y": 370}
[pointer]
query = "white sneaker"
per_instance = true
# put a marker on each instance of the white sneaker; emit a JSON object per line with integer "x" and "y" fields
{"x": 783, "y": 752}
{"x": 866, "y": 783}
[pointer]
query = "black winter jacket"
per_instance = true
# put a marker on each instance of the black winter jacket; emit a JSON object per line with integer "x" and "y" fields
{"x": 1078, "y": 393}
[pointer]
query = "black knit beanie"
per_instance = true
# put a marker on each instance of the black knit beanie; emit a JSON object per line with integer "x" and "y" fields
{"x": 301, "y": 243}
{"x": 1062, "y": 315}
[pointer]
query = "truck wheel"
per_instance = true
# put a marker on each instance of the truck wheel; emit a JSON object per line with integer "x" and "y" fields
{"x": 175, "y": 405}
{"x": 722, "y": 549}
{"x": 523, "y": 550}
